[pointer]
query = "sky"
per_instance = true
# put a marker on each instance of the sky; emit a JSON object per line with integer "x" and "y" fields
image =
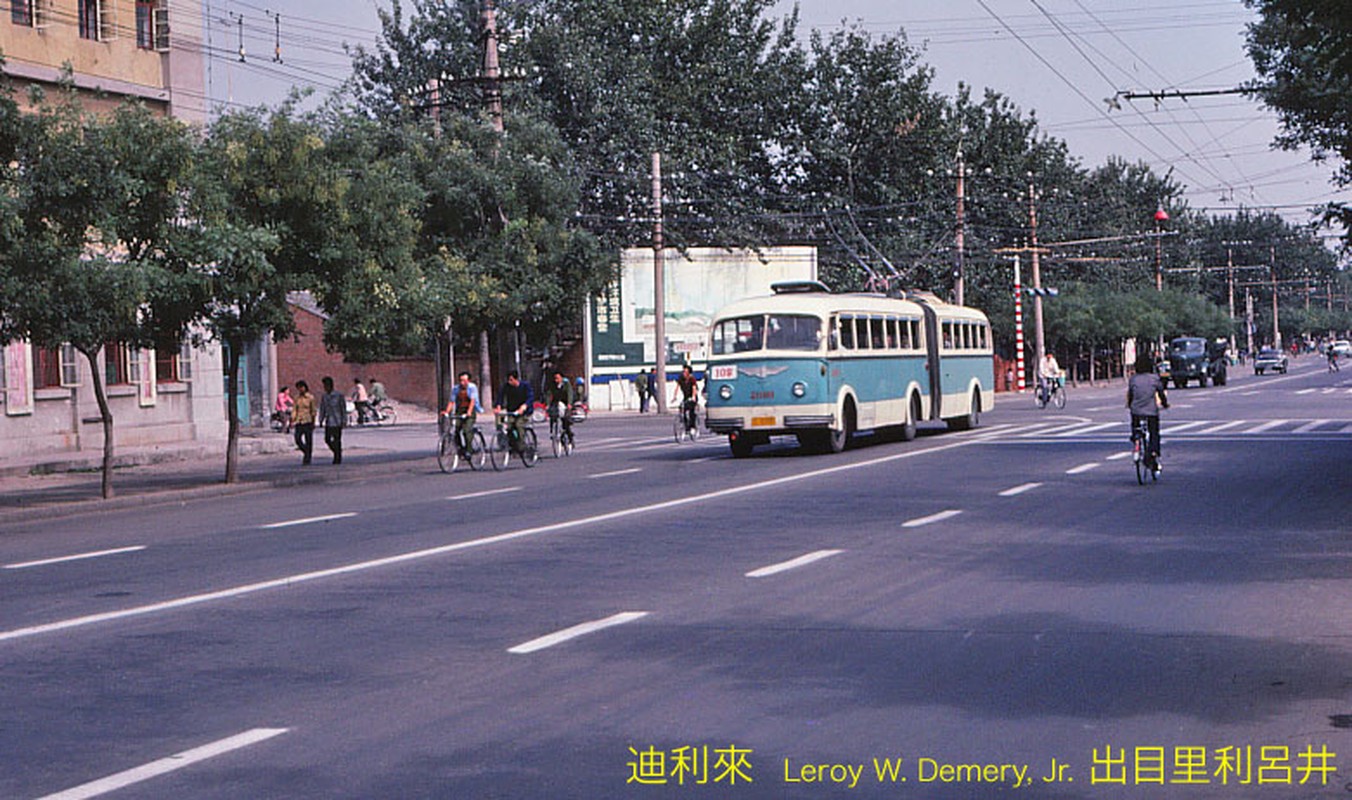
{"x": 1060, "y": 59}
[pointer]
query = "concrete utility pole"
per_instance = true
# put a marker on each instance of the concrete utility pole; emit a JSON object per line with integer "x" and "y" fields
{"x": 659, "y": 291}
{"x": 492, "y": 84}
{"x": 1018, "y": 325}
{"x": 1276, "y": 329}
{"x": 1039, "y": 338}
{"x": 1230, "y": 289}
{"x": 957, "y": 275}
{"x": 1248, "y": 318}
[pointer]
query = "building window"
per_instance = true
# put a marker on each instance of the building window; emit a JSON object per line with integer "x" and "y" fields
{"x": 145, "y": 25}
{"x": 116, "y": 365}
{"x": 21, "y": 12}
{"x": 48, "y": 368}
{"x": 88, "y": 12}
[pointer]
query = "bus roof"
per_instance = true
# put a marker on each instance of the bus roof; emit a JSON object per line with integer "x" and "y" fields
{"x": 822, "y": 304}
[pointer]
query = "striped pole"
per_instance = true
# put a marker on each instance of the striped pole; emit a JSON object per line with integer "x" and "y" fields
{"x": 1018, "y": 324}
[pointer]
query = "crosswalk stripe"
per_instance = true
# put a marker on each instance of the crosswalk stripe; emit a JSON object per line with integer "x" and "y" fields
{"x": 1081, "y": 431}
{"x": 1309, "y": 426}
{"x": 1266, "y": 426}
{"x": 1184, "y": 426}
{"x": 1223, "y": 426}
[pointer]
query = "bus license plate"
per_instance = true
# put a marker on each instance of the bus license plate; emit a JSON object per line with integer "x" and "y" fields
{"x": 762, "y": 422}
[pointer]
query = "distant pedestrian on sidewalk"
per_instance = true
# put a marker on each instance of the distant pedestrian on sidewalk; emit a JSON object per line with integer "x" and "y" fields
{"x": 641, "y": 386}
{"x": 304, "y": 420}
{"x": 333, "y": 416}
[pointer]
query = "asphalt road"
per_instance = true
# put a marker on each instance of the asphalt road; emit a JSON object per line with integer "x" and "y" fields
{"x": 1006, "y": 596}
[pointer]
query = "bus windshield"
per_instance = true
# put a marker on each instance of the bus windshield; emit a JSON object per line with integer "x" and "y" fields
{"x": 767, "y": 332}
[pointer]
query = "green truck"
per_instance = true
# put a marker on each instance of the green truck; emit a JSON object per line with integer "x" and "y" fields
{"x": 1192, "y": 358}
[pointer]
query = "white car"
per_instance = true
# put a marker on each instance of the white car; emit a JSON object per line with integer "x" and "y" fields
{"x": 1342, "y": 348}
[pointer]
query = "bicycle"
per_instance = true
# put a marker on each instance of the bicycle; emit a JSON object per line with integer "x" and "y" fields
{"x": 451, "y": 450}
{"x": 1143, "y": 452}
{"x": 561, "y": 438}
{"x": 686, "y": 425}
{"x": 1051, "y": 392}
{"x": 505, "y": 442}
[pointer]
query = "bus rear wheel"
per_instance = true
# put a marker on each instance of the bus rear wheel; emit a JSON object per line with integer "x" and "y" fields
{"x": 908, "y": 429}
{"x": 971, "y": 419}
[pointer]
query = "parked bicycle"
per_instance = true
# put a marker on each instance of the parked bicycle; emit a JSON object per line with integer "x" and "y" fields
{"x": 507, "y": 441}
{"x": 461, "y": 443}
{"x": 1050, "y": 392}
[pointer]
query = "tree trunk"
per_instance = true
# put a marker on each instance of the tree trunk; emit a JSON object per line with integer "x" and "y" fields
{"x": 485, "y": 371}
{"x": 232, "y": 416}
{"x": 97, "y": 377}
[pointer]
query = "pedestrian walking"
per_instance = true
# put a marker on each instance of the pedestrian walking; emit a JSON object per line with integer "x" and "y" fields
{"x": 641, "y": 386}
{"x": 333, "y": 416}
{"x": 303, "y": 417}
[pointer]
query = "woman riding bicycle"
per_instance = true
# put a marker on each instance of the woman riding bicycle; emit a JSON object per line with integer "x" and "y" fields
{"x": 1145, "y": 397}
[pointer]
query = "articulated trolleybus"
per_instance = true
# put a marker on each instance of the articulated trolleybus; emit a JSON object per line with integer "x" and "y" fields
{"x": 820, "y": 366}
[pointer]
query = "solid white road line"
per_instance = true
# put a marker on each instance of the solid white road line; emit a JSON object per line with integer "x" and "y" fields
{"x": 795, "y": 563}
{"x": 1083, "y": 468}
{"x": 488, "y": 493}
{"x": 629, "y": 471}
{"x": 432, "y": 552}
{"x": 1120, "y": 456}
{"x": 942, "y": 515}
{"x": 1309, "y": 426}
{"x": 576, "y": 631}
{"x": 44, "y": 562}
{"x": 308, "y": 520}
{"x": 1266, "y": 426}
{"x": 1223, "y": 426}
{"x": 165, "y": 765}
{"x": 1020, "y": 489}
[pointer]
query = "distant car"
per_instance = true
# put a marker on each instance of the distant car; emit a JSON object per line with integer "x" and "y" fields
{"x": 1192, "y": 358}
{"x": 1342, "y": 348}
{"x": 1269, "y": 358}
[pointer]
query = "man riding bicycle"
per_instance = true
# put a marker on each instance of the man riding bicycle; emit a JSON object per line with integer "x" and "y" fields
{"x": 1048, "y": 375}
{"x": 687, "y": 388}
{"x": 517, "y": 398}
{"x": 462, "y": 407}
{"x": 559, "y": 399}
{"x": 1145, "y": 397}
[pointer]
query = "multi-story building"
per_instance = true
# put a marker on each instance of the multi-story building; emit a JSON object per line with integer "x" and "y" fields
{"x": 112, "y": 51}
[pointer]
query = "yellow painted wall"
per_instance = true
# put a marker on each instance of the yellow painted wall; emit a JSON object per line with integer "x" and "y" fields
{"x": 60, "y": 42}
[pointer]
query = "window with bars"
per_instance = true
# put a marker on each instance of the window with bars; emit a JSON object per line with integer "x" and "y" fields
{"x": 21, "y": 12}
{"x": 48, "y": 368}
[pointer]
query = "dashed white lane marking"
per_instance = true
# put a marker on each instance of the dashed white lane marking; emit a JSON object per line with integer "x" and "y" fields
{"x": 942, "y": 515}
{"x": 78, "y": 557}
{"x": 1309, "y": 426}
{"x": 1020, "y": 489}
{"x": 1101, "y": 408}
{"x": 1266, "y": 426}
{"x": 165, "y": 765}
{"x": 629, "y": 471}
{"x": 576, "y": 631}
{"x": 308, "y": 520}
{"x": 1247, "y": 394}
{"x": 1305, "y": 391}
{"x": 1223, "y": 426}
{"x": 795, "y": 563}
{"x": 1328, "y": 391}
{"x": 1090, "y": 429}
{"x": 1348, "y": 429}
{"x": 1083, "y": 468}
{"x": 1120, "y": 456}
{"x": 488, "y": 493}
{"x": 432, "y": 552}
{"x": 1183, "y": 426}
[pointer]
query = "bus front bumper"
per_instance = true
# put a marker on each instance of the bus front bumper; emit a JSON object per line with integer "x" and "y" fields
{"x": 770, "y": 420}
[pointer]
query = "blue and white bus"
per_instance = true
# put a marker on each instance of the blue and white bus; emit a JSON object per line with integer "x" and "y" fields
{"x": 820, "y": 366}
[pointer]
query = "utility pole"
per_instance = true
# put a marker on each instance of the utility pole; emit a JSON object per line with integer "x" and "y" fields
{"x": 1230, "y": 288}
{"x": 1018, "y": 325}
{"x": 1276, "y": 329}
{"x": 1039, "y": 339}
{"x": 491, "y": 75}
{"x": 445, "y": 339}
{"x": 958, "y": 277}
{"x": 1248, "y": 318}
{"x": 659, "y": 290}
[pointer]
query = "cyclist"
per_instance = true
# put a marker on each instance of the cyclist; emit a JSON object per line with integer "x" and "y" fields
{"x": 516, "y": 398}
{"x": 559, "y": 399}
{"x": 462, "y": 407}
{"x": 1048, "y": 372}
{"x": 1145, "y": 397}
{"x": 282, "y": 408}
{"x": 1332, "y": 357}
{"x": 687, "y": 388}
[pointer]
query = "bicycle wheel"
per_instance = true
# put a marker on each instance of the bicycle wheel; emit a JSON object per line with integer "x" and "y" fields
{"x": 678, "y": 427}
{"x": 448, "y": 455}
{"x": 554, "y": 438}
{"x": 478, "y": 451}
{"x": 499, "y": 453}
{"x": 569, "y": 443}
{"x": 1039, "y": 399}
{"x": 1059, "y": 398}
{"x": 530, "y": 453}
{"x": 387, "y": 416}
{"x": 1141, "y": 468}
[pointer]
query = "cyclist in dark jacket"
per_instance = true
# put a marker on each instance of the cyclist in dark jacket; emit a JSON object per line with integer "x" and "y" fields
{"x": 1145, "y": 397}
{"x": 516, "y": 398}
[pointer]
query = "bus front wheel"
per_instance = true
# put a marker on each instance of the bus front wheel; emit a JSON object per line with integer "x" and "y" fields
{"x": 908, "y": 429}
{"x": 838, "y": 440}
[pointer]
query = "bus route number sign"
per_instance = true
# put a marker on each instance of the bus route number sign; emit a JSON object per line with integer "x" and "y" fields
{"x": 724, "y": 372}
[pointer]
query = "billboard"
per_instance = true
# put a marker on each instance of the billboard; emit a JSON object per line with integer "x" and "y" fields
{"x": 698, "y": 282}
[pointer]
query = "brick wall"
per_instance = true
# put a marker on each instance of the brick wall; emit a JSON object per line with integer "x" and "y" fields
{"x": 304, "y": 357}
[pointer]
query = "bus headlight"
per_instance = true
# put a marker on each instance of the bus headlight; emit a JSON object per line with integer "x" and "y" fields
{"x": 725, "y": 392}
{"x": 799, "y": 389}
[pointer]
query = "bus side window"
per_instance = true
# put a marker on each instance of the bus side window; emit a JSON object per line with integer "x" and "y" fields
{"x": 847, "y": 332}
{"x": 861, "y": 333}
{"x": 891, "y": 333}
{"x": 833, "y": 334}
{"x": 966, "y": 335}
{"x": 948, "y": 335}
{"x": 876, "y": 326}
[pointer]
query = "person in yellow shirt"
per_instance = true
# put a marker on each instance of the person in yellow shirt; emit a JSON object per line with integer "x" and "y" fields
{"x": 304, "y": 421}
